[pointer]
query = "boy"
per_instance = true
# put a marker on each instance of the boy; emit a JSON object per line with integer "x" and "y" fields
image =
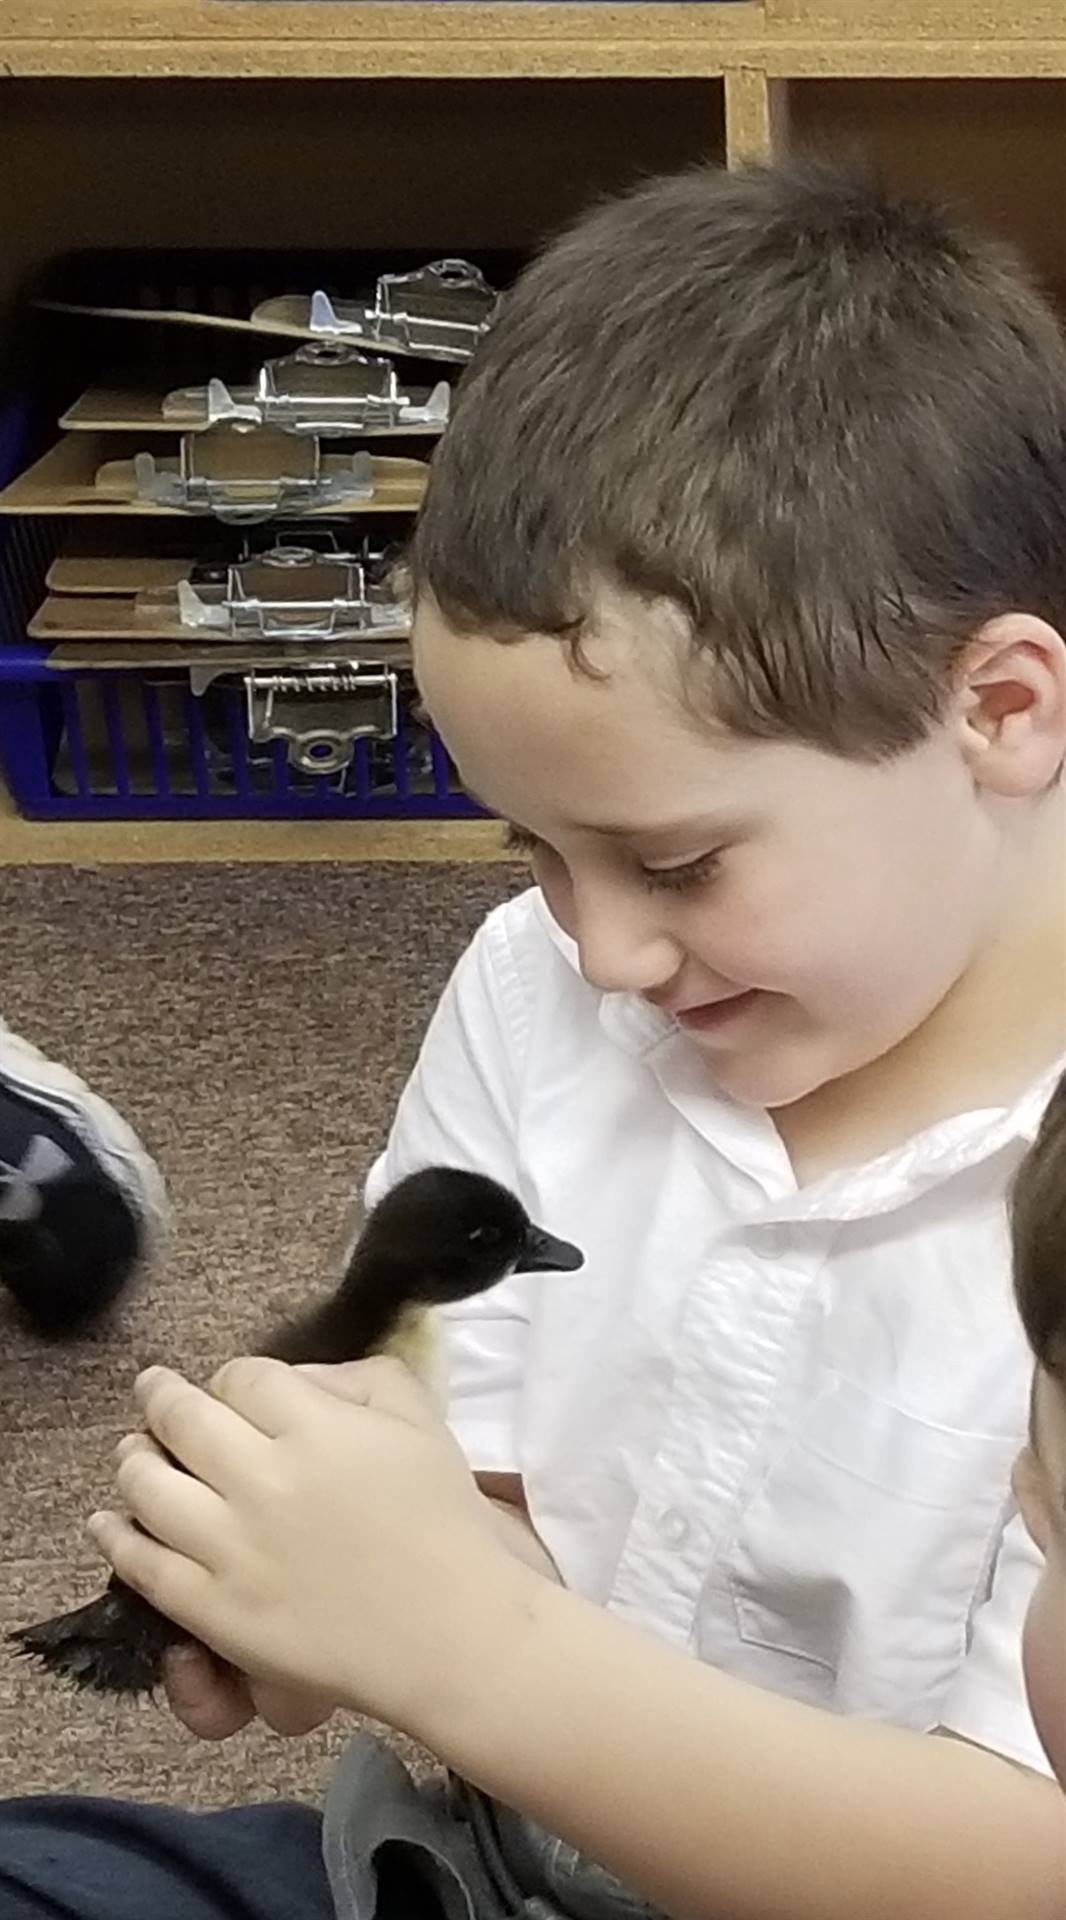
{"x": 740, "y": 584}
{"x": 1038, "y": 1213}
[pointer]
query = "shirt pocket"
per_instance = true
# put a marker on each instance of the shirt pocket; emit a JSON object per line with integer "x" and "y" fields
{"x": 857, "y": 1567}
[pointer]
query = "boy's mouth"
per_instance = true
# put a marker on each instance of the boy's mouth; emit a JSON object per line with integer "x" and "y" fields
{"x": 717, "y": 1013}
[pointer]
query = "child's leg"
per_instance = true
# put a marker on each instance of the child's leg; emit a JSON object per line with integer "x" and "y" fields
{"x": 67, "y": 1858}
{"x": 81, "y": 1202}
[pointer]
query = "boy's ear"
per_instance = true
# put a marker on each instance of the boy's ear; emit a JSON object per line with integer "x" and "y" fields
{"x": 1011, "y": 702}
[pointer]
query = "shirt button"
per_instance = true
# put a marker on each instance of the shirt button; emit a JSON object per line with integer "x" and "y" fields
{"x": 774, "y": 1240}
{"x": 673, "y": 1526}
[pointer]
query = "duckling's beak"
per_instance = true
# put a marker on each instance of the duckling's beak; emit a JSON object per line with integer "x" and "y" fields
{"x": 543, "y": 1253}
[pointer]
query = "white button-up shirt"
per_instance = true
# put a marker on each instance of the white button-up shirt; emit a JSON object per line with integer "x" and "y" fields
{"x": 773, "y": 1424}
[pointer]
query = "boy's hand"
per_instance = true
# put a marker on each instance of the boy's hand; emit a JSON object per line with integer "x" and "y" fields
{"x": 337, "y": 1546}
{"x": 214, "y": 1699}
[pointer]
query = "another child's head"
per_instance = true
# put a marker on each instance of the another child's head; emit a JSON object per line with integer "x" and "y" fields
{"x": 739, "y": 587}
{"x": 1038, "y": 1221}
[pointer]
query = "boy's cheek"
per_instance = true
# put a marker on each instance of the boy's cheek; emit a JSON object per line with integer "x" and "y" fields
{"x": 1044, "y": 1659}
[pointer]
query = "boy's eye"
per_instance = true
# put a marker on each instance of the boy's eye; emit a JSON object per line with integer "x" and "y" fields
{"x": 656, "y": 879}
{"x": 680, "y": 879}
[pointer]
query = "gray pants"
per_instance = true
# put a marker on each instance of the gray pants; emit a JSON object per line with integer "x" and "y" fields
{"x": 460, "y": 1855}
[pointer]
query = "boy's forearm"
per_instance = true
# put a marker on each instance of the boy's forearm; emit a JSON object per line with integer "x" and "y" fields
{"x": 712, "y": 1797}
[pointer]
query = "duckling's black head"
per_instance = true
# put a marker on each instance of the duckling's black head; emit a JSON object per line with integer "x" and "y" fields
{"x": 445, "y": 1234}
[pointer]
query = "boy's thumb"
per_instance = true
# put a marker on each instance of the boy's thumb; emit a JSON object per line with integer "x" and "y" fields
{"x": 345, "y": 1378}
{"x": 381, "y": 1382}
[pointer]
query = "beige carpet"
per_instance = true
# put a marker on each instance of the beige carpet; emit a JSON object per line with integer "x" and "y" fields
{"x": 256, "y": 1025}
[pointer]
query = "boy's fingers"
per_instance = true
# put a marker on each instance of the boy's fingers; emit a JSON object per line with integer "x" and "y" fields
{"x": 253, "y": 1397}
{"x": 267, "y": 1394}
{"x": 174, "y": 1507}
{"x": 172, "y": 1583}
{"x": 195, "y": 1427}
{"x": 291, "y": 1710}
{"x": 276, "y": 1398}
{"x": 207, "y": 1695}
{"x": 214, "y": 1700}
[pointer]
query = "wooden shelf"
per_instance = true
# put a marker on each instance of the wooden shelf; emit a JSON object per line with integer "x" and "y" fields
{"x": 242, "y": 38}
{"x": 54, "y": 843}
{"x": 330, "y": 38}
{"x": 116, "y": 133}
{"x": 983, "y": 58}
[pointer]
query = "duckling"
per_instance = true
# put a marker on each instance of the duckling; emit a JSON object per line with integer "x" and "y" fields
{"x": 440, "y": 1235}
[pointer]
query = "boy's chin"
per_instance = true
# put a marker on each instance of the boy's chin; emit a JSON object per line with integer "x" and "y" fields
{"x": 767, "y": 1077}
{"x": 777, "y": 1069}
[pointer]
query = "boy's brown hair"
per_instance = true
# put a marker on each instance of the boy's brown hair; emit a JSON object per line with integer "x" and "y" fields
{"x": 1038, "y": 1231}
{"x": 826, "y": 421}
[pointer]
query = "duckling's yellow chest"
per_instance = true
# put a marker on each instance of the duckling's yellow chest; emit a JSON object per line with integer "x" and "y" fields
{"x": 416, "y": 1340}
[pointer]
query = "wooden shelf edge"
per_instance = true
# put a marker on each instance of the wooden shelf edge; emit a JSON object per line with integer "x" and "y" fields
{"x": 50, "y": 843}
{"x": 468, "y": 38}
{"x": 988, "y": 59}
{"x": 665, "y": 56}
{"x": 230, "y": 21}
{"x": 357, "y": 60}
{"x": 750, "y": 28}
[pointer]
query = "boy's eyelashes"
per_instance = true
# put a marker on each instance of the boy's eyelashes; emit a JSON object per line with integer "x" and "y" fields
{"x": 656, "y": 879}
{"x": 519, "y": 839}
{"x": 680, "y": 879}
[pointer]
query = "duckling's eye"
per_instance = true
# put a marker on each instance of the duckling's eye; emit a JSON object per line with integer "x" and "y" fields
{"x": 485, "y": 1236}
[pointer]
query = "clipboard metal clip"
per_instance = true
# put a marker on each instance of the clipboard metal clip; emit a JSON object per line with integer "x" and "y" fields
{"x": 320, "y": 711}
{"x": 242, "y": 477}
{"x": 326, "y": 387}
{"x": 439, "y": 311}
{"x": 294, "y": 593}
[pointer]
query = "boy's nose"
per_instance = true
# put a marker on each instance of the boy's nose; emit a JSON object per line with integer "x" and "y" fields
{"x": 621, "y": 946}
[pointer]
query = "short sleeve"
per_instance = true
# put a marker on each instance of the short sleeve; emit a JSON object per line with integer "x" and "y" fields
{"x": 987, "y": 1702}
{"x": 459, "y": 1109}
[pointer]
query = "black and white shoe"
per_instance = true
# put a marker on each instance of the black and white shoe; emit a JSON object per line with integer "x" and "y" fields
{"x": 82, "y": 1203}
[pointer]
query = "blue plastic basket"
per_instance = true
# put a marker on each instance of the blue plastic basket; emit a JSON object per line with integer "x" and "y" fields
{"x": 137, "y": 744}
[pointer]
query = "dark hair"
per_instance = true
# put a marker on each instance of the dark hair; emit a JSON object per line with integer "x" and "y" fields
{"x": 826, "y": 421}
{"x": 1038, "y": 1231}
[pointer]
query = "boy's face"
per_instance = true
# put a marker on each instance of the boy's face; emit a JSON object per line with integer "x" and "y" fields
{"x": 1040, "y": 1484}
{"x": 825, "y": 906}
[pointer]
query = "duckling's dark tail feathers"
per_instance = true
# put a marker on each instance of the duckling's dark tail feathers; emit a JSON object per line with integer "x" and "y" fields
{"x": 114, "y": 1645}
